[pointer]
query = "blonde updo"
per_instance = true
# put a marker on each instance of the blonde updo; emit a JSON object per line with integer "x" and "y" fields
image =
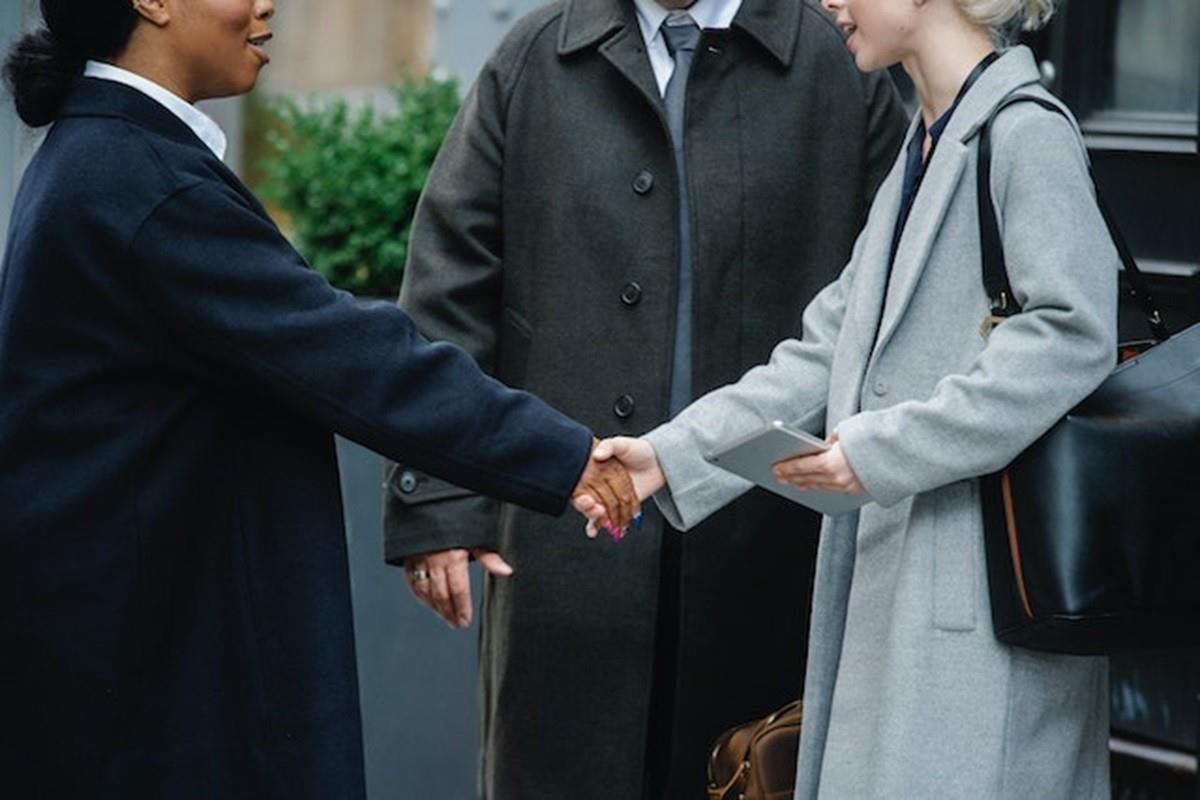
{"x": 1005, "y": 18}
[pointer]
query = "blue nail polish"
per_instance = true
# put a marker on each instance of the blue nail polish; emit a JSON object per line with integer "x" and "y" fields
{"x": 637, "y": 521}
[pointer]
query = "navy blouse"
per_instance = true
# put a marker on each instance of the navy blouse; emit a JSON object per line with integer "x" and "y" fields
{"x": 914, "y": 170}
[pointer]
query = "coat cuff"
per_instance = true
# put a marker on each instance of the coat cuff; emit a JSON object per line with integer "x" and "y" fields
{"x": 422, "y": 514}
{"x": 695, "y": 488}
{"x": 867, "y": 458}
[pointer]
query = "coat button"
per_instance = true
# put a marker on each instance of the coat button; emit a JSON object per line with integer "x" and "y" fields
{"x": 881, "y": 388}
{"x": 644, "y": 182}
{"x": 624, "y": 406}
{"x": 408, "y": 482}
{"x": 631, "y": 293}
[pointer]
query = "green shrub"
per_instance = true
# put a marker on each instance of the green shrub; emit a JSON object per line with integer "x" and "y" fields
{"x": 348, "y": 180}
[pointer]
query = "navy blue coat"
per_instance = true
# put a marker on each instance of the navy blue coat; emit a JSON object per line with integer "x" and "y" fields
{"x": 175, "y": 612}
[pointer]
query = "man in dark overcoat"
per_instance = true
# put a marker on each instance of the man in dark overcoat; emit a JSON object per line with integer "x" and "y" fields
{"x": 548, "y": 244}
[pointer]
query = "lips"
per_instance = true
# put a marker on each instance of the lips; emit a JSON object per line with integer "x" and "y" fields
{"x": 258, "y": 45}
{"x": 848, "y": 30}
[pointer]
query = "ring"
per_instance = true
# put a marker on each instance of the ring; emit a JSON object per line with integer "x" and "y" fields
{"x": 420, "y": 575}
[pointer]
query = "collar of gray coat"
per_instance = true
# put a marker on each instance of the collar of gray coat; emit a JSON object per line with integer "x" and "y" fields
{"x": 774, "y": 24}
{"x": 1014, "y": 70}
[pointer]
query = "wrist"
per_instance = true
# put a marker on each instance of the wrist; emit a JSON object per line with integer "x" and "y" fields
{"x": 655, "y": 480}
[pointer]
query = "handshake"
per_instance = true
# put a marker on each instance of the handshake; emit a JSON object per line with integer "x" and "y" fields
{"x": 621, "y": 473}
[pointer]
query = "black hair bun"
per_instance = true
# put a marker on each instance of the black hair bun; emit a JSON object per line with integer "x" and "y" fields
{"x": 40, "y": 73}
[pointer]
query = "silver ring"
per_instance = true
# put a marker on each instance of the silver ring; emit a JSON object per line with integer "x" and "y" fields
{"x": 420, "y": 575}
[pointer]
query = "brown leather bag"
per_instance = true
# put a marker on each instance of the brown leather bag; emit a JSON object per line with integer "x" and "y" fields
{"x": 757, "y": 761}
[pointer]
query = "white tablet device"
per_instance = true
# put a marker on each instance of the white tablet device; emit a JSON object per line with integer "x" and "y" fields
{"x": 752, "y": 457}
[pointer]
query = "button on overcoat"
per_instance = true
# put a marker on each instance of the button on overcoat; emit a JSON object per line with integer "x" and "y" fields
{"x": 532, "y": 231}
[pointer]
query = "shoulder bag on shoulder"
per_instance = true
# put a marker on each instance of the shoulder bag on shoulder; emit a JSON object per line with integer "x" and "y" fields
{"x": 1093, "y": 533}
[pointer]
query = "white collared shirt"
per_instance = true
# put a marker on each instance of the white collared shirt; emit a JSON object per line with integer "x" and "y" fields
{"x": 201, "y": 124}
{"x": 651, "y": 16}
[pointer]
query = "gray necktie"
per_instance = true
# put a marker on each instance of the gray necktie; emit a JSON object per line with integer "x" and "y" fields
{"x": 681, "y": 42}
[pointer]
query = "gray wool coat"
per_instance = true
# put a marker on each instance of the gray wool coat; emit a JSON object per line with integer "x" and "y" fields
{"x": 546, "y": 245}
{"x": 908, "y": 694}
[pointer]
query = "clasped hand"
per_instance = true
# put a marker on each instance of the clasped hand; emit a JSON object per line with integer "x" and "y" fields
{"x": 441, "y": 579}
{"x": 828, "y": 471}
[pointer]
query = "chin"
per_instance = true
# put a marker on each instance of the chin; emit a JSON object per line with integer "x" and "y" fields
{"x": 865, "y": 61}
{"x": 249, "y": 85}
{"x": 870, "y": 62}
{"x": 243, "y": 85}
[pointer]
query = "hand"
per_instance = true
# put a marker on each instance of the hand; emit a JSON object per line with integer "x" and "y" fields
{"x": 609, "y": 493}
{"x": 827, "y": 471}
{"x": 641, "y": 463}
{"x": 445, "y": 583}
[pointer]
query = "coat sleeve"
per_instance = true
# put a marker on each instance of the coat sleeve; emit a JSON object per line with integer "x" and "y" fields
{"x": 233, "y": 293}
{"x": 1038, "y": 364}
{"x": 452, "y": 290}
{"x": 793, "y": 386}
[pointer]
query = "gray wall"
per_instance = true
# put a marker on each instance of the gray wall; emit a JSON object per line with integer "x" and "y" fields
{"x": 10, "y": 25}
{"x": 16, "y": 142}
{"x": 465, "y": 31}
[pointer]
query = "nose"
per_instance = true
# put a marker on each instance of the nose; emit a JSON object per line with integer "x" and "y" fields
{"x": 832, "y": 6}
{"x": 264, "y": 9}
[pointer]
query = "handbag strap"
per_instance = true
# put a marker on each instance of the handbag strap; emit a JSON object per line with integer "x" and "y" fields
{"x": 995, "y": 269}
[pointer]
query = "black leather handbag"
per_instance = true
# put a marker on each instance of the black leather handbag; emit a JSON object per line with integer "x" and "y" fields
{"x": 1092, "y": 535}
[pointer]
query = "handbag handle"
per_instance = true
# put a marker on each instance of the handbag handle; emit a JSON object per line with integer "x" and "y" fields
{"x": 995, "y": 270}
{"x": 717, "y": 792}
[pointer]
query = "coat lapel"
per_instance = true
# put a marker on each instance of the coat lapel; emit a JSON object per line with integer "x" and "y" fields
{"x": 1013, "y": 70}
{"x": 773, "y": 24}
{"x": 938, "y": 188}
{"x": 627, "y": 52}
{"x": 613, "y": 26}
{"x": 865, "y": 304}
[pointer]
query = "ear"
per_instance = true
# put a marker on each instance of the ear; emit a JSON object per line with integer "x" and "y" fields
{"x": 156, "y": 12}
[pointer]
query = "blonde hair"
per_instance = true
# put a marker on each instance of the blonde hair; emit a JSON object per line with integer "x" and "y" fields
{"x": 1005, "y": 18}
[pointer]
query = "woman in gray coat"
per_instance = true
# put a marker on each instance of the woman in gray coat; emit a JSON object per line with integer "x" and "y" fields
{"x": 908, "y": 694}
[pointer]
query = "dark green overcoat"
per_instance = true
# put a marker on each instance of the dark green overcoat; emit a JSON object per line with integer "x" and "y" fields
{"x": 546, "y": 245}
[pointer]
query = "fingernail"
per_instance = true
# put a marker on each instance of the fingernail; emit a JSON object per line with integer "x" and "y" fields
{"x": 637, "y": 521}
{"x": 464, "y": 623}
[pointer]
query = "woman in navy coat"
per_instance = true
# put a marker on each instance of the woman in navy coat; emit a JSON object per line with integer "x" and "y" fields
{"x": 174, "y": 598}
